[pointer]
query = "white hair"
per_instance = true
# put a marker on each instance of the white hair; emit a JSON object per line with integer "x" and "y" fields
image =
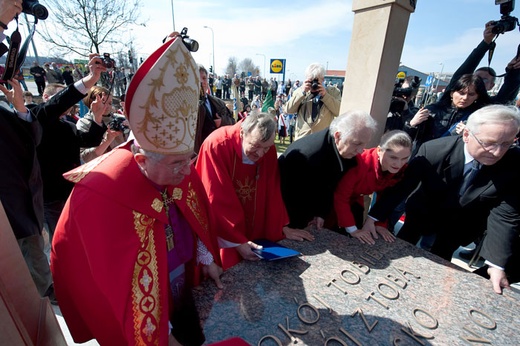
{"x": 351, "y": 121}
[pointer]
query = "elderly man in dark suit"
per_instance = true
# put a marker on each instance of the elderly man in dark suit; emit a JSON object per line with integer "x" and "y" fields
{"x": 312, "y": 166}
{"x": 463, "y": 186}
{"x": 213, "y": 112}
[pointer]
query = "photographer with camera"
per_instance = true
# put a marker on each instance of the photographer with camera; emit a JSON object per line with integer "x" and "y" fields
{"x": 509, "y": 89}
{"x": 402, "y": 106}
{"x": 99, "y": 103}
{"x": 21, "y": 188}
{"x": 316, "y": 105}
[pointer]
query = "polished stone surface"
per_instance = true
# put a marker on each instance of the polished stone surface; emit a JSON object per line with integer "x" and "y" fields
{"x": 440, "y": 301}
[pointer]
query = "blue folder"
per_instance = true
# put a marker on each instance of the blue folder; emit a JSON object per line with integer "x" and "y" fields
{"x": 273, "y": 251}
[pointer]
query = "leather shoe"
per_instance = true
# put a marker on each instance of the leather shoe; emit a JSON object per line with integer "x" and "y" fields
{"x": 467, "y": 254}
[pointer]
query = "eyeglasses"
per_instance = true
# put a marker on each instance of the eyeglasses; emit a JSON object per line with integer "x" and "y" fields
{"x": 178, "y": 166}
{"x": 493, "y": 146}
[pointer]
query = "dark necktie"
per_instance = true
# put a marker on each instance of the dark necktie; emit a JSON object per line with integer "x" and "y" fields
{"x": 469, "y": 176}
{"x": 208, "y": 108}
{"x": 315, "y": 108}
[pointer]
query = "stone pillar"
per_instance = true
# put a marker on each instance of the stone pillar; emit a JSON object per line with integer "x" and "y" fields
{"x": 375, "y": 50}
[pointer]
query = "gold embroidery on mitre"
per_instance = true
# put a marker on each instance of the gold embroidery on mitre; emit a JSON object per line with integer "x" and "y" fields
{"x": 157, "y": 205}
{"x": 170, "y": 115}
{"x": 245, "y": 190}
{"x": 193, "y": 203}
{"x": 82, "y": 171}
{"x": 146, "y": 306}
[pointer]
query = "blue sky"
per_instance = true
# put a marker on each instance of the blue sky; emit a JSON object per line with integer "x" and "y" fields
{"x": 304, "y": 31}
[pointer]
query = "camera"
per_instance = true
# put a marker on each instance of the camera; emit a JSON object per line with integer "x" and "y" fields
{"x": 399, "y": 91}
{"x": 33, "y": 7}
{"x": 107, "y": 61}
{"x": 506, "y": 22}
{"x": 315, "y": 84}
{"x": 192, "y": 45}
{"x": 116, "y": 123}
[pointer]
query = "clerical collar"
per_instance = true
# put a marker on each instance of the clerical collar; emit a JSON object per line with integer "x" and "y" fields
{"x": 246, "y": 160}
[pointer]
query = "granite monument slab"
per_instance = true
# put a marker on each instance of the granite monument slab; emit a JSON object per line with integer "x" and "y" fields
{"x": 341, "y": 292}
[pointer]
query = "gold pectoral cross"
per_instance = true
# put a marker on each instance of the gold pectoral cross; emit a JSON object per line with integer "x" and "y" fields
{"x": 170, "y": 242}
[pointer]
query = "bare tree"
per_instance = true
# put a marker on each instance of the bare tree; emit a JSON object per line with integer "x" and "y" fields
{"x": 247, "y": 66}
{"x": 82, "y": 26}
{"x": 231, "y": 68}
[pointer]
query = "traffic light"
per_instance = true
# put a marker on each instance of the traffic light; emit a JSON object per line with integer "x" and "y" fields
{"x": 130, "y": 58}
{"x": 211, "y": 69}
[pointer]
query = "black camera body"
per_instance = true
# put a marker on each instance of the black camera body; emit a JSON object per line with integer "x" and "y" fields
{"x": 315, "y": 84}
{"x": 506, "y": 22}
{"x": 34, "y": 8}
{"x": 191, "y": 44}
{"x": 400, "y": 92}
{"x": 108, "y": 62}
{"x": 116, "y": 124}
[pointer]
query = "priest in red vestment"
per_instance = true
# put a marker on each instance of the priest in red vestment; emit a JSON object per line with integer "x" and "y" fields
{"x": 136, "y": 233}
{"x": 239, "y": 169}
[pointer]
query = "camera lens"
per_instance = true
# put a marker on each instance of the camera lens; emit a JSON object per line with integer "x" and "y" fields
{"x": 315, "y": 84}
{"x": 35, "y": 8}
{"x": 192, "y": 45}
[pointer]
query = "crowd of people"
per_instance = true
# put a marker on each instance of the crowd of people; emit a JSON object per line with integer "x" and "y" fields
{"x": 143, "y": 207}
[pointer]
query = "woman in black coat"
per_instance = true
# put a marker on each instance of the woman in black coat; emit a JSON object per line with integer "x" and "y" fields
{"x": 440, "y": 119}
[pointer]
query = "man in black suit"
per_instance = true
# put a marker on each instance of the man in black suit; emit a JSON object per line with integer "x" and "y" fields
{"x": 461, "y": 187}
{"x": 212, "y": 113}
{"x": 312, "y": 166}
{"x": 21, "y": 191}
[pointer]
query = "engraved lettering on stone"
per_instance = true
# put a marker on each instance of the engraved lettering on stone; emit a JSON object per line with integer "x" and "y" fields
{"x": 404, "y": 272}
{"x": 374, "y": 254}
{"x": 398, "y": 281}
{"x": 333, "y": 283}
{"x": 371, "y": 296}
{"x": 411, "y": 334}
{"x": 356, "y": 277}
{"x": 350, "y": 337}
{"x": 361, "y": 267}
{"x": 366, "y": 259}
{"x": 414, "y": 335}
{"x": 475, "y": 338}
{"x": 491, "y": 326}
{"x": 369, "y": 327}
{"x": 334, "y": 338}
{"x": 434, "y": 323}
{"x": 272, "y": 337}
{"x": 387, "y": 296}
{"x": 323, "y": 302}
{"x": 303, "y": 318}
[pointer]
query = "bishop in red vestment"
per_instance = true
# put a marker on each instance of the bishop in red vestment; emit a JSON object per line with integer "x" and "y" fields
{"x": 239, "y": 169}
{"x": 136, "y": 229}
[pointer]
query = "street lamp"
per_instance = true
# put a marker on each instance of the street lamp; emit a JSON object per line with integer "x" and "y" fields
{"x": 440, "y": 75}
{"x": 213, "y": 45}
{"x": 265, "y": 76}
{"x": 173, "y": 17}
{"x": 438, "y": 79}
